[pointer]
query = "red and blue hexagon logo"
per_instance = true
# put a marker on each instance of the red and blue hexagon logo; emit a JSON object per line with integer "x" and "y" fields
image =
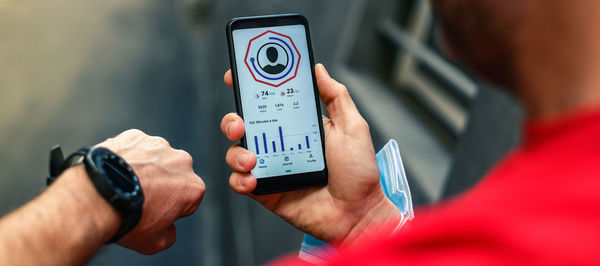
{"x": 272, "y": 58}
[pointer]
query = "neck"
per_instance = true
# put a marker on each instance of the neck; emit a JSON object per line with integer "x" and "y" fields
{"x": 558, "y": 56}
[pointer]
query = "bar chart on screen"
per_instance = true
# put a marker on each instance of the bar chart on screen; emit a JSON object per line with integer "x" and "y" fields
{"x": 285, "y": 140}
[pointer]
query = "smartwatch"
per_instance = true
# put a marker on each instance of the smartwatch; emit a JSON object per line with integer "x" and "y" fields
{"x": 113, "y": 178}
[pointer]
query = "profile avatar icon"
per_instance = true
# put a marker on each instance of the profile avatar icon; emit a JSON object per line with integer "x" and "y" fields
{"x": 272, "y": 58}
{"x": 276, "y": 59}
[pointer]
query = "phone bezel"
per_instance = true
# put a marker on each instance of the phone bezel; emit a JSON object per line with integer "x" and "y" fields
{"x": 283, "y": 183}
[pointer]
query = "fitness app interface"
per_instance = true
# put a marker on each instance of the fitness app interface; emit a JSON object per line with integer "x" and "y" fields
{"x": 278, "y": 100}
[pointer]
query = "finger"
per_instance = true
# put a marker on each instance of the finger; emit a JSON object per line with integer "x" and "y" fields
{"x": 170, "y": 237}
{"x": 232, "y": 126}
{"x": 245, "y": 183}
{"x": 109, "y": 144}
{"x": 240, "y": 159}
{"x": 336, "y": 97}
{"x": 134, "y": 132}
{"x": 156, "y": 141}
{"x": 242, "y": 183}
{"x": 163, "y": 241}
{"x": 195, "y": 193}
{"x": 269, "y": 201}
{"x": 228, "y": 78}
{"x": 182, "y": 158}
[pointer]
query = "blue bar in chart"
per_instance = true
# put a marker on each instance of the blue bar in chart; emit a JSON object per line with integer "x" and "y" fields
{"x": 256, "y": 144}
{"x": 265, "y": 142}
{"x": 274, "y": 147}
{"x": 299, "y": 146}
{"x": 281, "y": 139}
{"x": 307, "y": 143}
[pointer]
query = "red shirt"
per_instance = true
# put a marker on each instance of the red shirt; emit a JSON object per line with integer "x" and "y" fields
{"x": 540, "y": 205}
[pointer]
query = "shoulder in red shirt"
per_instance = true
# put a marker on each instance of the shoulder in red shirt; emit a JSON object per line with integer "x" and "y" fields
{"x": 540, "y": 205}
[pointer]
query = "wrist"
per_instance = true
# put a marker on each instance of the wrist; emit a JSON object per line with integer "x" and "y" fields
{"x": 382, "y": 212}
{"x": 100, "y": 220}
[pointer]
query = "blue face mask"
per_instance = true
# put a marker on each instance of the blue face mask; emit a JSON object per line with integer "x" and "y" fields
{"x": 394, "y": 185}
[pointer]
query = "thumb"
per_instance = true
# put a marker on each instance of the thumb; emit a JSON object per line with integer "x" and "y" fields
{"x": 335, "y": 96}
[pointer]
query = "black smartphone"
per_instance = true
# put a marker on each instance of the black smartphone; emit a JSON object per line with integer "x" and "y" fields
{"x": 277, "y": 96}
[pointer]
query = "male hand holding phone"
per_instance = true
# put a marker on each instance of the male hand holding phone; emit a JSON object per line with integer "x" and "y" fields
{"x": 330, "y": 189}
{"x": 353, "y": 199}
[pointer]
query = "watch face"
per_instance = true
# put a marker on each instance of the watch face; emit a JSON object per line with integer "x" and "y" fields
{"x": 120, "y": 174}
{"x": 117, "y": 171}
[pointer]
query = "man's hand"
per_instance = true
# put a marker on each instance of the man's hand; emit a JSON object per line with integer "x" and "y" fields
{"x": 70, "y": 221}
{"x": 171, "y": 188}
{"x": 352, "y": 202}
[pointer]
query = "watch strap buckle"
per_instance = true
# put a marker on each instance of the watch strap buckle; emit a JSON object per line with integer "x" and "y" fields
{"x": 57, "y": 160}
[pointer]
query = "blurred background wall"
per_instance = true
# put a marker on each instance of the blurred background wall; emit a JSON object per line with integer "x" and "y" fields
{"x": 76, "y": 72}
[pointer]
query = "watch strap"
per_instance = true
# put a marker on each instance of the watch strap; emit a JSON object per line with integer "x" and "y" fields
{"x": 127, "y": 224}
{"x": 129, "y": 216}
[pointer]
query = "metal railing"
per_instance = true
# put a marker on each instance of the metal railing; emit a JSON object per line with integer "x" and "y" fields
{"x": 422, "y": 102}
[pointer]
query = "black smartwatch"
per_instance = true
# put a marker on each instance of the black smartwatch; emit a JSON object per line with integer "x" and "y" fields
{"x": 113, "y": 178}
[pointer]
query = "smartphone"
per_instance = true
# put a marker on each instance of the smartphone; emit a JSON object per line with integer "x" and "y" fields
{"x": 277, "y": 96}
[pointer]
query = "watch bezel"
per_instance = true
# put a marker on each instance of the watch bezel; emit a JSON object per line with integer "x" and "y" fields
{"x": 123, "y": 201}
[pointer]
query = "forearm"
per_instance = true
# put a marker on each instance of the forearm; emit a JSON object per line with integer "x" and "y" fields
{"x": 65, "y": 225}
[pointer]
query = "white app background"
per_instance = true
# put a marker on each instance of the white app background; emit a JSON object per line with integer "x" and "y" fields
{"x": 278, "y": 100}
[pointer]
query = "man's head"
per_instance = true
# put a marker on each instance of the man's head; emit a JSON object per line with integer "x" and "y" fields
{"x": 482, "y": 34}
{"x": 546, "y": 51}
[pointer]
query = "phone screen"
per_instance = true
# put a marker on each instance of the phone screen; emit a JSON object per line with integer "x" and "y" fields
{"x": 278, "y": 100}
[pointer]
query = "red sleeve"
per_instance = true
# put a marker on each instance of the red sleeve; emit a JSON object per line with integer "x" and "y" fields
{"x": 450, "y": 243}
{"x": 539, "y": 206}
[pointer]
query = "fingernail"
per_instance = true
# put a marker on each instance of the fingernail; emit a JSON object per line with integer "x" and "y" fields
{"x": 243, "y": 159}
{"x": 228, "y": 127}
